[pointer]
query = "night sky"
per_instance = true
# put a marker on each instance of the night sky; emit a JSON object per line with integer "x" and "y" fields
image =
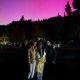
{"x": 31, "y": 9}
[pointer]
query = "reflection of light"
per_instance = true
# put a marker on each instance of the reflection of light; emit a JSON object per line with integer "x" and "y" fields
{"x": 57, "y": 45}
{"x": 54, "y": 46}
{"x": 26, "y": 42}
{"x": 1, "y": 42}
{"x": 4, "y": 42}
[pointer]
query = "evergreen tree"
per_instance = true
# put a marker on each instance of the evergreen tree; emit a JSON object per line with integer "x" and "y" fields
{"x": 76, "y": 4}
{"x": 22, "y": 18}
{"x": 68, "y": 9}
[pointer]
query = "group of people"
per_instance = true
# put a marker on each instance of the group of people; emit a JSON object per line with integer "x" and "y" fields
{"x": 39, "y": 52}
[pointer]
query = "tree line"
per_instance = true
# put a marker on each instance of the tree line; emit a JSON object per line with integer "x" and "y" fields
{"x": 54, "y": 28}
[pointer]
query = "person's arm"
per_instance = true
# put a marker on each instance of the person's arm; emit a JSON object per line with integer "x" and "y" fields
{"x": 29, "y": 56}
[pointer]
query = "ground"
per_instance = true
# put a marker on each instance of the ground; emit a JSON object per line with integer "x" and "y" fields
{"x": 13, "y": 67}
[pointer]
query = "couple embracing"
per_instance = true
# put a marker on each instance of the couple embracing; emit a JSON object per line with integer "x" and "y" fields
{"x": 37, "y": 59}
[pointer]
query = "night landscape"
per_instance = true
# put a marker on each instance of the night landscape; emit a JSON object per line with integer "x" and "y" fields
{"x": 54, "y": 21}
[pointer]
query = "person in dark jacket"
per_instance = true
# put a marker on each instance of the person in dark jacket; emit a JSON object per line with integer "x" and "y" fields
{"x": 48, "y": 69}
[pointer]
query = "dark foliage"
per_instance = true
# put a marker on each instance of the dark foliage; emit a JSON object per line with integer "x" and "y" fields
{"x": 68, "y": 9}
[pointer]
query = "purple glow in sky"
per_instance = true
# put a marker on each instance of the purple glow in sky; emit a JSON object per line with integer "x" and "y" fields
{"x": 31, "y": 9}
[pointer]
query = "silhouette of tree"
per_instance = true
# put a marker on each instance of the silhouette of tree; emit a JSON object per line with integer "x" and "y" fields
{"x": 68, "y": 9}
{"x": 22, "y": 18}
{"x": 64, "y": 14}
{"x": 54, "y": 28}
{"x": 76, "y": 4}
{"x": 59, "y": 15}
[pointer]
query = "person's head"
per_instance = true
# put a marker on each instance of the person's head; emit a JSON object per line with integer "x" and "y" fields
{"x": 48, "y": 43}
{"x": 40, "y": 46}
{"x": 38, "y": 38}
{"x": 34, "y": 43}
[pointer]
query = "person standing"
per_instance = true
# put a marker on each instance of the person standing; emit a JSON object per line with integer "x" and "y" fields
{"x": 56, "y": 47}
{"x": 41, "y": 59}
{"x": 32, "y": 60}
{"x": 48, "y": 70}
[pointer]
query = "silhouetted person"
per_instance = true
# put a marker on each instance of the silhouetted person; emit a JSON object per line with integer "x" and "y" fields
{"x": 49, "y": 58}
{"x": 49, "y": 51}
